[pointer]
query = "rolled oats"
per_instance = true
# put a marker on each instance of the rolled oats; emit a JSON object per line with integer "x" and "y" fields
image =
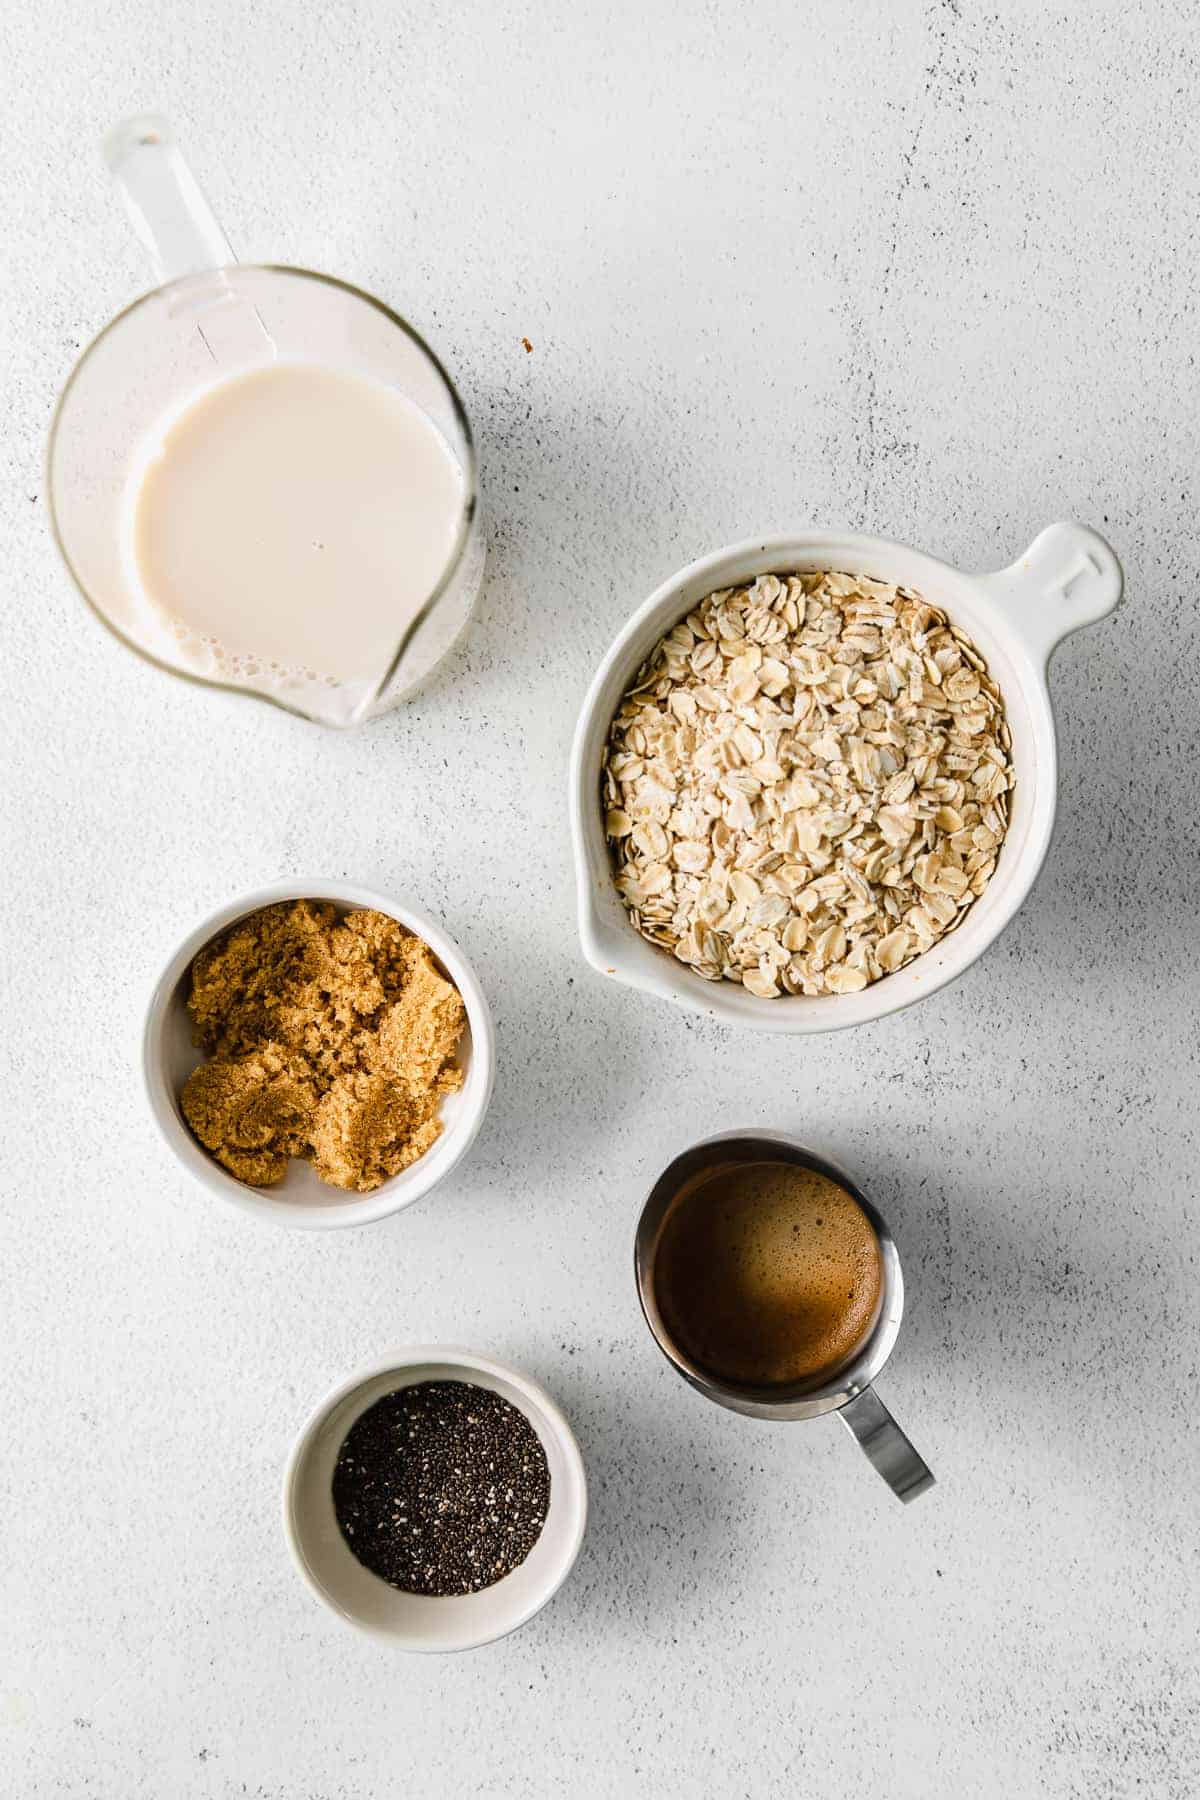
{"x": 807, "y": 784}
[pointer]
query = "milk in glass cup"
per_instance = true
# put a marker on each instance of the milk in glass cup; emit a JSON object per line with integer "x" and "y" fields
{"x": 260, "y": 477}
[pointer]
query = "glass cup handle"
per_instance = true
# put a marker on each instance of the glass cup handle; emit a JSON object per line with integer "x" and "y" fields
{"x": 180, "y": 230}
{"x": 870, "y": 1423}
{"x": 164, "y": 200}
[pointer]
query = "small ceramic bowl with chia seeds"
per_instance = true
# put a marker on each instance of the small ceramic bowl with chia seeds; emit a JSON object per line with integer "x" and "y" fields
{"x": 456, "y": 1478}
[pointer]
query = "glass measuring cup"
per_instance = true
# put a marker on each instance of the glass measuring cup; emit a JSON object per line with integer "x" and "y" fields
{"x": 211, "y": 318}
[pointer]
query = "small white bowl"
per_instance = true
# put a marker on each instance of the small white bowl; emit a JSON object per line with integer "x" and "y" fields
{"x": 1017, "y": 617}
{"x": 423, "y": 1622}
{"x": 302, "y": 1199}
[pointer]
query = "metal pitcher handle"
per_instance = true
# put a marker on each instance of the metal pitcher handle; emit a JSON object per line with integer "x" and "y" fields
{"x": 870, "y": 1423}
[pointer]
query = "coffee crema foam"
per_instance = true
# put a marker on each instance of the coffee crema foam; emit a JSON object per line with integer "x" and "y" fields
{"x": 768, "y": 1274}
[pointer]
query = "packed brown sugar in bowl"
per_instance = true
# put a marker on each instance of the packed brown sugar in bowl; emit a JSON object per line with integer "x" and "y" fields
{"x": 329, "y": 1039}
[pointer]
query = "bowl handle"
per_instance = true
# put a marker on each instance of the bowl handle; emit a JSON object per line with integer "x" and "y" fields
{"x": 1067, "y": 578}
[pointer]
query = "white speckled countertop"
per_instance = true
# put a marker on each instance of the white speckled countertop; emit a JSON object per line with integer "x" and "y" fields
{"x": 928, "y": 270}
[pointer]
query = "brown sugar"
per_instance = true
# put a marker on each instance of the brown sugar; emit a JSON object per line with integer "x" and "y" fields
{"x": 419, "y": 1030}
{"x": 329, "y": 1039}
{"x": 252, "y": 1112}
{"x": 368, "y": 1127}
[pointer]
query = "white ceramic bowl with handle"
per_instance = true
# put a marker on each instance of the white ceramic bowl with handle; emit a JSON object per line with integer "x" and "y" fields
{"x": 1069, "y": 577}
{"x": 302, "y": 1199}
{"x": 426, "y": 1622}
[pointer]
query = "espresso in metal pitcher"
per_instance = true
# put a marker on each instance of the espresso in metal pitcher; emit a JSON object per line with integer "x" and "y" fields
{"x": 768, "y": 1274}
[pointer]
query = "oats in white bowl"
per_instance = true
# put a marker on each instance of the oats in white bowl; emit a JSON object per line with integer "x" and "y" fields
{"x": 807, "y": 784}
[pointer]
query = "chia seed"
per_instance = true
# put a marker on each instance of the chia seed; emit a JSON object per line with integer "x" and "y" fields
{"x": 441, "y": 1488}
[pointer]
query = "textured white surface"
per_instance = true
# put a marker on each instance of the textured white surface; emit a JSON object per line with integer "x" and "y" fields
{"x": 928, "y": 270}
